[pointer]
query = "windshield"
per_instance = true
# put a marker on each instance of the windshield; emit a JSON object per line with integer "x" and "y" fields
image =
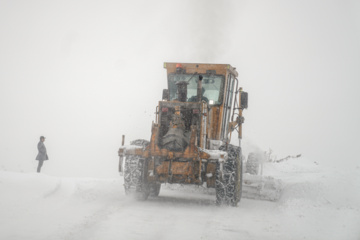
{"x": 212, "y": 85}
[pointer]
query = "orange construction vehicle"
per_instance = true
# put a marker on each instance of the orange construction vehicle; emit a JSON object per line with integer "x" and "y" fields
{"x": 190, "y": 138}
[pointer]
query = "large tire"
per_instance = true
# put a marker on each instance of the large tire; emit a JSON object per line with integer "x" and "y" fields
{"x": 134, "y": 173}
{"x": 229, "y": 184}
{"x": 134, "y": 177}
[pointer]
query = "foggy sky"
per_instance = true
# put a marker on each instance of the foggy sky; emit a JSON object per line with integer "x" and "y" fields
{"x": 82, "y": 73}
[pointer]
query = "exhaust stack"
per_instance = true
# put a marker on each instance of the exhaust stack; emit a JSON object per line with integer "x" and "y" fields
{"x": 199, "y": 88}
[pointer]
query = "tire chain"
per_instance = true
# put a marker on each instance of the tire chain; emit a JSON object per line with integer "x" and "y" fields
{"x": 226, "y": 186}
{"x": 133, "y": 174}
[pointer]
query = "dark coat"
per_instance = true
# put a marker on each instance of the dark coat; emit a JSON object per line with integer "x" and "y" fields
{"x": 42, "y": 155}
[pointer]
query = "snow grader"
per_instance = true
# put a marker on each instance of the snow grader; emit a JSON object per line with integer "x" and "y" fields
{"x": 190, "y": 138}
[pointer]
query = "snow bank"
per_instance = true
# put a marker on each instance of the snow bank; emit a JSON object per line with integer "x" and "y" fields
{"x": 316, "y": 203}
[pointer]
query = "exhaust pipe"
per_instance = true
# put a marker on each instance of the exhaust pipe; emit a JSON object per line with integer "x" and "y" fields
{"x": 199, "y": 89}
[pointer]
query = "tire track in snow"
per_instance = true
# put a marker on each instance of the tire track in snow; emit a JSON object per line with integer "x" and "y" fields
{"x": 88, "y": 226}
{"x": 100, "y": 199}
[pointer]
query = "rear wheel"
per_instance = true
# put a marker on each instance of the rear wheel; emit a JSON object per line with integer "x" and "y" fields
{"x": 134, "y": 173}
{"x": 228, "y": 184}
{"x": 134, "y": 177}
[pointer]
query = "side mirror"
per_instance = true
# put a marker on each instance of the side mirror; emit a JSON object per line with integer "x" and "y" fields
{"x": 166, "y": 95}
{"x": 244, "y": 100}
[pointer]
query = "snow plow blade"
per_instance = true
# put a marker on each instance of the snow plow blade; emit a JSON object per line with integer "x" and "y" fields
{"x": 261, "y": 187}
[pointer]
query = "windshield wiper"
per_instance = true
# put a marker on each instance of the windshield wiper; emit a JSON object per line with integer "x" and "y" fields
{"x": 192, "y": 76}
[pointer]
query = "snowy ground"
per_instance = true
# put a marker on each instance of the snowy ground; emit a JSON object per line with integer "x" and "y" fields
{"x": 316, "y": 203}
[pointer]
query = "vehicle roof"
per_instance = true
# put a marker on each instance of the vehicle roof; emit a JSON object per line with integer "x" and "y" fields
{"x": 201, "y": 67}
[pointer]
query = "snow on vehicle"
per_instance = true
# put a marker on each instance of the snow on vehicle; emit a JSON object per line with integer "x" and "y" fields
{"x": 190, "y": 138}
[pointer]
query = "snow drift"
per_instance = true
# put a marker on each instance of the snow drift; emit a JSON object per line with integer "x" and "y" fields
{"x": 316, "y": 203}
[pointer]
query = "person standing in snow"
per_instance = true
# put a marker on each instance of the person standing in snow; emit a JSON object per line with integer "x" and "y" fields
{"x": 42, "y": 155}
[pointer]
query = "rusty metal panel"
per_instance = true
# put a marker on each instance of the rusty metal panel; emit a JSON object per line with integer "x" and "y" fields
{"x": 180, "y": 172}
{"x": 177, "y": 168}
{"x": 214, "y": 130}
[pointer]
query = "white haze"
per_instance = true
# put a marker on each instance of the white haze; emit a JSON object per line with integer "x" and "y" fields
{"x": 82, "y": 73}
